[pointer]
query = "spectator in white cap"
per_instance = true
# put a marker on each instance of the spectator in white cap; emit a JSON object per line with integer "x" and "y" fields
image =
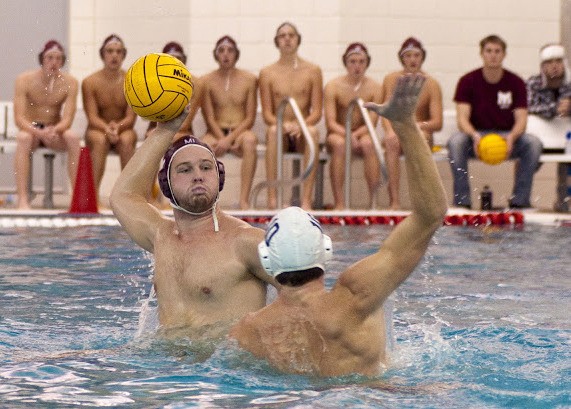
{"x": 549, "y": 92}
{"x": 428, "y": 111}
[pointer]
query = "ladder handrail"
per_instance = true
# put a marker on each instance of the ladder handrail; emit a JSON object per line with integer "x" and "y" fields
{"x": 308, "y": 139}
{"x": 348, "y": 130}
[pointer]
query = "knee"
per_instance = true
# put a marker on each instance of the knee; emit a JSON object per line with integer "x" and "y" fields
{"x": 535, "y": 144}
{"x": 250, "y": 142}
{"x": 314, "y": 133}
{"x": 392, "y": 145}
{"x": 24, "y": 138}
{"x": 95, "y": 140}
{"x": 128, "y": 138}
{"x": 336, "y": 144}
{"x": 271, "y": 133}
{"x": 457, "y": 143}
{"x": 367, "y": 146}
{"x": 71, "y": 138}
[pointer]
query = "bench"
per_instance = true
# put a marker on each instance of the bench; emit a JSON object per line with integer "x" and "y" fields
{"x": 54, "y": 173}
{"x": 551, "y": 133}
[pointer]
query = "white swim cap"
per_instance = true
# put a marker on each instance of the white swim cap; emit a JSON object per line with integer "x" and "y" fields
{"x": 294, "y": 241}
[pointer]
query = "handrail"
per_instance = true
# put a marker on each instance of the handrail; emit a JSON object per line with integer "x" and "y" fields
{"x": 310, "y": 143}
{"x": 348, "y": 122}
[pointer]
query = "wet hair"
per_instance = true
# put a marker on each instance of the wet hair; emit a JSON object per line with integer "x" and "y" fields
{"x": 226, "y": 39}
{"x": 410, "y": 44}
{"x": 494, "y": 39}
{"x": 174, "y": 47}
{"x": 107, "y": 40}
{"x": 48, "y": 46}
{"x": 356, "y": 48}
{"x": 287, "y": 23}
{"x": 299, "y": 277}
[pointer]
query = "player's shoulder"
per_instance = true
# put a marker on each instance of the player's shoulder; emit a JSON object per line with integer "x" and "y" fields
{"x": 513, "y": 76}
{"x": 93, "y": 77}
{"x": 336, "y": 82}
{"x": 269, "y": 69}
{"x": 315, "y": 68}
{"x": 392, "y": 77}
{"x": 247, "y": 75}
{"x": 68, "y": 77}
{"x": 240, "y": 226}
{"x": 206, "y": 78}
{"x": 371, "y": 82}
{"x": 430, "y": 80}
{"x": 26, "y": 76}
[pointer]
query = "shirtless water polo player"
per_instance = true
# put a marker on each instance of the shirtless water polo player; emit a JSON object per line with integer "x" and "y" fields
{"x": 207, "y": 270}
{"x": 311, "y": 330}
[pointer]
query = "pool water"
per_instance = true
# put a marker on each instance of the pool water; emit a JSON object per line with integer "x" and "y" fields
{"x": 483, "y": 322}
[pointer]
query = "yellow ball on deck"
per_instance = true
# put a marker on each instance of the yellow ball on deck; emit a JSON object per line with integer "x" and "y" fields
{"x": 158, "y": 87}
{"x": 492, "y": 149}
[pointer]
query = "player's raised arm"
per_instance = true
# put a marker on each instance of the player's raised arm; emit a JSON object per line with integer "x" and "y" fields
{"x": 377, "y": 276}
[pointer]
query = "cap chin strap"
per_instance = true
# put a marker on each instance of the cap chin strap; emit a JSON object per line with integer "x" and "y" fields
{"x": 212, "y": 209}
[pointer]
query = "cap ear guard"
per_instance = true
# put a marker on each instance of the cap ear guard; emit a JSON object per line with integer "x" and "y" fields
{"x": 264, "y": 254}
{"x": 327, "y": 248}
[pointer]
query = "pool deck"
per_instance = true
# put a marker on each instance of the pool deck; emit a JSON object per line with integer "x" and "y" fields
{"x": 62, "y": 218}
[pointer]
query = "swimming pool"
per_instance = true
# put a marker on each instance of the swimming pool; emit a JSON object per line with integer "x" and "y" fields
{"x": 482, "y": 322}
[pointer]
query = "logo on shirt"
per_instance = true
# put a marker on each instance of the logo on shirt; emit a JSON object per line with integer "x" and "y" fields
{"x": 505, "y": 99}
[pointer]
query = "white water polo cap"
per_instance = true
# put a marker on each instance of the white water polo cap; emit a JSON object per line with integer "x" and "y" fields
{"x": 294, "y": 242}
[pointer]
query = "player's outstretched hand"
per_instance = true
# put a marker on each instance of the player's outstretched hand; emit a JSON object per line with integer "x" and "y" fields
{"x": 402, "y": 104}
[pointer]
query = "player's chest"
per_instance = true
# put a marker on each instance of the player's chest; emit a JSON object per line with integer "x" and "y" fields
{"x": 110, "y": 95}
{"x": 47, "y": 97}
{"x": 229, "y": 94}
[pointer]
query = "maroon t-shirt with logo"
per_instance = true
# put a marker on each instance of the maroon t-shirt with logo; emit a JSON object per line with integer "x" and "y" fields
{"x": 492, "y": 104}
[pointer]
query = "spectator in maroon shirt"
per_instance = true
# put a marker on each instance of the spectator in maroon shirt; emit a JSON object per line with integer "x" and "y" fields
{"x": 492, "y": 99}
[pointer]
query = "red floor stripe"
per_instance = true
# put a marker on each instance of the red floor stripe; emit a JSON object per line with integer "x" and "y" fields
{"x": 479, "y": 219}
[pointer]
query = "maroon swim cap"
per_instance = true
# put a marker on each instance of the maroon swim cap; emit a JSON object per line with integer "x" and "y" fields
{"x": 354, "y": 48}
{"x": 175, "y": 49}
{"x": 226, "y": 40}
{"x": 48, "y": 46}
{"x": 164, "y": 177}
{"x": 410, "y": 44}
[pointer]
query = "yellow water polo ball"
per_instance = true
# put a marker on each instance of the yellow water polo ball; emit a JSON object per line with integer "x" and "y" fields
{"x": 158, "y": 86}
{"x": 492, "y": 149}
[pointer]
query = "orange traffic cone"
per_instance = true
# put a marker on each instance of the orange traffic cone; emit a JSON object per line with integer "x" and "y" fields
{"x": 84, "y": 198}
